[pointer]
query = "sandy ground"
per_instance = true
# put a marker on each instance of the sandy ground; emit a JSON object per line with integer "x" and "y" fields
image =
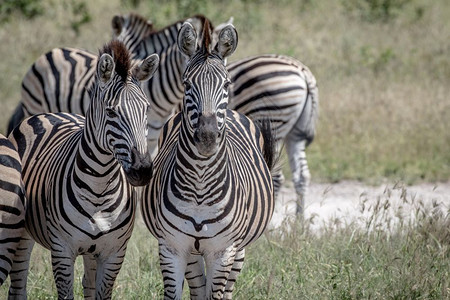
{"x": 350, "y": 201}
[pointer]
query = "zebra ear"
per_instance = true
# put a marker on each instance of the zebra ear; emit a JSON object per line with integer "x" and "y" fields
{"x": 187, "y": 39}
{"x": 146, "y": 68}
{"x": 117, "y": 25}
{"x": 227, "y": 41}
{"x": 219, "y": 28}
{"x": 105, "y": 68}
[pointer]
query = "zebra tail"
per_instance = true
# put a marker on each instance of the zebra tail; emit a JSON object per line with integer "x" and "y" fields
{"x": 310, "y": 114}
{"x": 16, "y": 118}
{"x": 270, "y": 154}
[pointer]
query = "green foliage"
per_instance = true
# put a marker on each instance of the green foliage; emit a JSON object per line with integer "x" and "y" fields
{"x": 28, "y": 8}
{"x": 376, "y": 60}
{"x": 80, "y": 14}
{"x": 378, "y": 10}
{"x": 78, "y": 11}
{"x": 187, "y": 8}
{"x": 131, "y": 3}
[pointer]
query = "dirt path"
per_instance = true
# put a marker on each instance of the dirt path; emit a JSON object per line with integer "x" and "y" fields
{"x": 344, "y": 201}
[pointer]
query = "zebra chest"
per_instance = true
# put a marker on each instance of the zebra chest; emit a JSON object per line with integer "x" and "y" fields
{"x": 84, "y": 214}
{"x": 202, "y": 213}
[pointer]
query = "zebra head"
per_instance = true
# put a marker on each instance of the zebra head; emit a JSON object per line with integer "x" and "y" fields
{"x": 119, "y": 115}
{"x": 206, "y": 83}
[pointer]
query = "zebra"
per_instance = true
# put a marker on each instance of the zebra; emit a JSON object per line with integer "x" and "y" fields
{"x": 79, "y": 175}
{"x": 12, "y": 205}
{"x": 212, "y": 193}
{"x": 275, "y": 87}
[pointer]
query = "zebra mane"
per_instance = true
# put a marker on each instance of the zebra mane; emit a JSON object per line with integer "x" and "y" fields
{"x": 121, "y": 56}
{"x": 206, "y": 37}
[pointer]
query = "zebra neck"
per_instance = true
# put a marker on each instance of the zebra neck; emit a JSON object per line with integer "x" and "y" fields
{"x": 200, "y": 181}
{"x": 95, "y": 170}
{"x": 199, "y": 168}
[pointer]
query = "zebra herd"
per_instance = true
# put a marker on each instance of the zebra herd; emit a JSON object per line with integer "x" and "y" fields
{"x": 161, "y": 120}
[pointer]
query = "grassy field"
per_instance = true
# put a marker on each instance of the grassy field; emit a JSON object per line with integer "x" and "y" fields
{"x": 383, "y": 76}
{"x": 368, "y": 259}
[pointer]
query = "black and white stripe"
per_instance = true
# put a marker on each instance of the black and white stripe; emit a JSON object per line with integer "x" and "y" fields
{"x": 12, "y": 205}
{"x": 78, "y": 175}
{"x": 212, "y": 192}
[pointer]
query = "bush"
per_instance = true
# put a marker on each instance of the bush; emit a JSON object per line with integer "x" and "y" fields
{"x": 376, "y": 10}
{"x": 28, "y": 8}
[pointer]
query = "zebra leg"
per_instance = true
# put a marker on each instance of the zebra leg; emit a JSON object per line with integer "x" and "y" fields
{"x": 173, "y": 267}
{"x": 235, "y": 270}
{"x": 63, "y": 268}
{"x": 299, "y": 167}
{"x": 195, "y": 276}
{"x": 107, "y": 271}
{"x": 19, "y": 269}
{"x": 218, "y": 268}
{"x": 90, "y": 266}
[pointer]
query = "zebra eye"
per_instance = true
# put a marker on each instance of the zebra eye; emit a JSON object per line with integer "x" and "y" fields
{"x": 187, "y": 85}
{"x": 110, "y": 112}
{"x": 226, "y": 84}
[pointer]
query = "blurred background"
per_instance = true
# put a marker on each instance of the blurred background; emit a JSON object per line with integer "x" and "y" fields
{"x": 383, "y": 69}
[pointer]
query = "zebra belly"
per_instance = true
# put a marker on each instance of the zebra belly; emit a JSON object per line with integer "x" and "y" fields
{"x": 78, "y": 235}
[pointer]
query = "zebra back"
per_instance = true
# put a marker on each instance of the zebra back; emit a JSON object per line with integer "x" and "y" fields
{"x": 278, "y": 88}
{"x": 12, "y": 205}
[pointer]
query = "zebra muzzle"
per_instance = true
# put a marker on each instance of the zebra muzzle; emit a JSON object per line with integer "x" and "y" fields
{"x": 206, "y": 135}
{"x": 141, "y": 170}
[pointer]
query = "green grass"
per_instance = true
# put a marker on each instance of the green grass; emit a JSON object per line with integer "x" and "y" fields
{"x": 382, "y": 256}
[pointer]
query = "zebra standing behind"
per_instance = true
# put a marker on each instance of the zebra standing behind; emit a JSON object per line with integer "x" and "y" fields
{"x": 12, "y": 201}
{"x": 78, "y": 175}
{"x": 212, "y": 192}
